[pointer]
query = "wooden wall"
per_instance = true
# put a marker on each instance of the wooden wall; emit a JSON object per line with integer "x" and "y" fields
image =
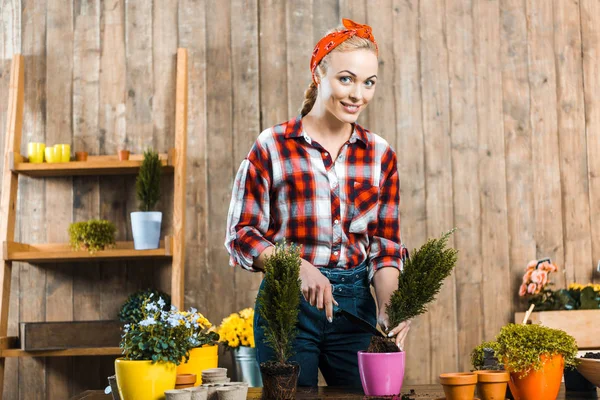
{"x": 492, "y": 106}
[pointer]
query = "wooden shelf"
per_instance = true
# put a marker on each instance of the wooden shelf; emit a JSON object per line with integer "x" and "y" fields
{"x": 62, "y": 252}
{"x": 91, "y": 351}
{"x": 95, "y": 165}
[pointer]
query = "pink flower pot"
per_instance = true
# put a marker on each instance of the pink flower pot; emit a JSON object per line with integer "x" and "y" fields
{"x": 381, "y": 374}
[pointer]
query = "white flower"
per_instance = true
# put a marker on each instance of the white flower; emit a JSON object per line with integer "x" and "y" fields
{"x": 151, "y": 294}
{"x": 148, "y": 321}
{"x": 151, "y": 307}
{"x": 173, "y": 308}
{"x": 161, "y": 302}
{"x": 193, "y": 310}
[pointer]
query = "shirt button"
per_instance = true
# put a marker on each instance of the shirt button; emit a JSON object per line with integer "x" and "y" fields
{"x": 335, "y": 253}
{"x": 325, "y": 154}
{"x": 336, "y": 222}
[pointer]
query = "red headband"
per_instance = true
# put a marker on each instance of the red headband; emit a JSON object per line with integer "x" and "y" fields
{"x": 334, "y": 39}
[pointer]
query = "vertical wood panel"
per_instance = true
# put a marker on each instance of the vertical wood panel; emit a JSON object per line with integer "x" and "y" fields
{"x": 546, "y": 172}
{"x": 246, "y": 121}
{"x": 495, "y": 260}
{"x": 467, "y": 210}
{"x": 298, "y": 19}
{"x": 572, "y": 144}
{"x": 438, "y": 176}
{"x": 272, "y": 59}
{"x": 518, "y": 139}
{"x": 32, "y": 194}
{"x": 220, "y": 149}
{"x": 10, "y": 29}
{"x": 192, "y": 35}
{"x": 590, "y": 15}
{"x": 411, "y": 167}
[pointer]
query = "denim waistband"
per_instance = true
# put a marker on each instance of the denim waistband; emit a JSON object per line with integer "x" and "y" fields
{"x": 344, "y": 279}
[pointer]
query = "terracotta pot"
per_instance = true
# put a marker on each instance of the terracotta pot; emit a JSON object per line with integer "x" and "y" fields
{"x": 81, "y": 155}
{"x": 185, "y": 381}
{"x": 491, "y": 385}
{"x": 279, "y": 380}
{"x": 459, "y": 385}
{"x": 539, "y": 385}
{"x": 123, "y": 155}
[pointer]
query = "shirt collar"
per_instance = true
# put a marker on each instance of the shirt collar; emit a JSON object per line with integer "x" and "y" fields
{"x": 294, "y": 130}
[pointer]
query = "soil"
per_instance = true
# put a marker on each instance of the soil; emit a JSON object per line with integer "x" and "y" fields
{"x": 382, "y": 345}
{"x": 279, "y": 380}
{"x": 589, "y": 354}
{"x": 276, "y": 368}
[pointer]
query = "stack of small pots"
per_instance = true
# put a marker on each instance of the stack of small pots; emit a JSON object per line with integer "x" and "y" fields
{"x": 491, "y": 385}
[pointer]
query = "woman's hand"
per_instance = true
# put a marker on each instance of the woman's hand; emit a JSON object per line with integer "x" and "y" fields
{"x": 316, "y": 289}
{"x": 399, "y": 331}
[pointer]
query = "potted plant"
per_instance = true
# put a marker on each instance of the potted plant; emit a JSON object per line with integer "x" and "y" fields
{"x": 381, "y": 367}
{"x": 132, "y": 312}
{"x": 204, "y": 345}
{"x": 92, "y": 235}
{"x": 237, "y": 334}
{"x": 145, "y": 224}
{"x": 278, "y": 305}
{"x": 152, "y": 349}
{"x": 535, "y": 357}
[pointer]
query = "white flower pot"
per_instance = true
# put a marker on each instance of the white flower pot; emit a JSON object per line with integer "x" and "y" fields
{"x": 145, "y": 226}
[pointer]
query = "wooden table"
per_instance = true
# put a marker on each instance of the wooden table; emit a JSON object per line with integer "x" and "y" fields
{"x": 421, "y": 392}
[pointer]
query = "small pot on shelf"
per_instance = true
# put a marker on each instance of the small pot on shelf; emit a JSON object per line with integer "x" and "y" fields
{"x": 123, "y": 155}
{"x": 81, "y": 155}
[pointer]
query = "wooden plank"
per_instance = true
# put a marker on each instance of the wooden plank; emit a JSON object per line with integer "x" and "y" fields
{"x": 590, "y": 32}
{"x": 10, "y": 29}
{"x": 60, "y": 335}
{"x": 326, "y": 16}
{"x": 411, "y": 167}
{"x": 578, "y": 264}
{"x": 179, "y": 199}
{"x": 246, "y": 117}
{"x": 164, "y": 64}
{"x": 9, "y": 342}
{"x": 466, "y": 187}
{"x": 298, "y": 19}
{"x": 493, "y": 227}
{"x": 55, "y": 252}
{"x": 581, "y": 324}
{"x": 382, "y": 116}
{"x": 28, "y": 355}
{"x": 273, "y": 68}
{"x": 219, "y": 120}
{"x": 59, "y": 202}
{"x": 95, "y": 165}
{"x": 192, "y": 36}
{"x": 547, "y": 200}
{"x": 518, "y": 140}
{"x": 438, "y": 177}
{"x": 32, "y": 193}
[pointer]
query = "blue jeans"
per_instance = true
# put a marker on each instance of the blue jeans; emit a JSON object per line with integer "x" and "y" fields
{"x": 332, "y": 347}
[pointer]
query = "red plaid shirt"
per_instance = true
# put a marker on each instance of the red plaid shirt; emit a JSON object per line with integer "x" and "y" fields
{"x": 342, "y": 212}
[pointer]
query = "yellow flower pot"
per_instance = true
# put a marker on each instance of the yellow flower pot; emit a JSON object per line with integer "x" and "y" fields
{"x": 201, "y": 358}
{"x": 142, "y": 380}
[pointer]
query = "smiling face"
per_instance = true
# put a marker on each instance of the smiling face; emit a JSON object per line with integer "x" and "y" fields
{"x": 349, "y": 84}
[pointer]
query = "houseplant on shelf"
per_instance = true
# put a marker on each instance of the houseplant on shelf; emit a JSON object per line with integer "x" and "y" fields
{"x": 204, "y": 351}
{"x": 278, "y": 306}
{"x": 381, "y": 367}
{"x": 152, "y": 349}
{"x": 93, "y": 235}
{"x": 145, "y": 224}
{"x": 237, "y": 333}
{"x": 535, "y": 357}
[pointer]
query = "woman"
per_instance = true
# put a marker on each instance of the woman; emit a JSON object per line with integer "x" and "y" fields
{"x": 324, "y": 182}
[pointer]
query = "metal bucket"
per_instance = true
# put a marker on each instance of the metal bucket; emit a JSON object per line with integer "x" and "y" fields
{"x": 246, "y": 367}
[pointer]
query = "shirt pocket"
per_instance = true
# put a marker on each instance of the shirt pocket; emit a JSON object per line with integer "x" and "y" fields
{"x": 364, "y": 199}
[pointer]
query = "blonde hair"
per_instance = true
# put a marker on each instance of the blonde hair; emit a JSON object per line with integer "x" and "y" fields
{"x": 354, "y": 43}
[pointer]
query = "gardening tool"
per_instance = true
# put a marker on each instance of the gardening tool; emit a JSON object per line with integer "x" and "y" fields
{"x": 364, "y": 325}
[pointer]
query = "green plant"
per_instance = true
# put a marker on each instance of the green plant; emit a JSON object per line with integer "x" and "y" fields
{"x": 520, "y": 346}
{"x": 279, "y": 301}
{"x": 131, "y": 311}
{"x": 481, "y": 354}
{"x": 92, "y": 235}
{"x": 421, "y": 279}
{"x": 148, "y": 181}
{"x": 161, "y": 336}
